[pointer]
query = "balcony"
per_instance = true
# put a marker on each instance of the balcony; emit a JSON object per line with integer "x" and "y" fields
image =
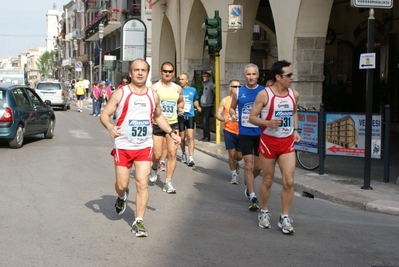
{"x": 111, "y": 21}
{"x": 75, "y": 33}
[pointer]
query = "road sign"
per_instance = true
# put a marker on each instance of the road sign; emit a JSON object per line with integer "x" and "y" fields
{"x": 78, "y": 64}
{"x": 367, "y": 61}
{"x": 236, "y": 19}
{"x": 372, "y": 3}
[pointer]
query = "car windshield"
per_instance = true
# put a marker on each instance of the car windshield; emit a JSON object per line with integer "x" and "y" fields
{"x": 48, "y": 86}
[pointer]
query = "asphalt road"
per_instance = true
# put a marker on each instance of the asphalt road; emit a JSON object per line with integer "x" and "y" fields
{"x": 57, "y": 210}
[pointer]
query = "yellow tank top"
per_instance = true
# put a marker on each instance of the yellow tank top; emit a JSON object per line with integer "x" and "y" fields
{"x": 168, "y": 98}
{"x": 230, "y": 126}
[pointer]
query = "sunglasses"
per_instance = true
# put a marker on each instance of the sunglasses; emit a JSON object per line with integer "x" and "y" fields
{"x": 235, "y": 86}
{"x": 289, "y": 75}
{"x": 168, "y": 71}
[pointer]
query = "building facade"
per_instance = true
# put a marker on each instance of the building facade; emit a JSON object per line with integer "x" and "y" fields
{"x": 322, "y": 39}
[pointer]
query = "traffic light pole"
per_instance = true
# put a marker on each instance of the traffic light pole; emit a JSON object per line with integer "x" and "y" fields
{"x": 217, "y": 93}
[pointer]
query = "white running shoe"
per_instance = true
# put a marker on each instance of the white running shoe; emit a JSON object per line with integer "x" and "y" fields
{"x": 184, "y": 158}
{"x": 153, "y": 176}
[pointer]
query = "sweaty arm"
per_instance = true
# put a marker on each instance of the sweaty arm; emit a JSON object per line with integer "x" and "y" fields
{"x": 233, "y": 107}
{"x": 108, "y": 111}
{"x": 254, "y": 118}
{"x": 219, "y": 112}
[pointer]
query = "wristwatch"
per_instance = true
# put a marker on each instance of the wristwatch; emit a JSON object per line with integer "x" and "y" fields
{"x": 172, "y": 131}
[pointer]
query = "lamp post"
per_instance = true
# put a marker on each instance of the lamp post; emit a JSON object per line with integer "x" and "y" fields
{"x": 75, "y": 48}
{"x": 100, "y": 36}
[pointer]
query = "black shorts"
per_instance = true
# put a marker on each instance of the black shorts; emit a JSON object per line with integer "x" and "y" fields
{"x": 159, "y": 132}
{"x": 249, "y": 144}
{"x": 185, "y": 123}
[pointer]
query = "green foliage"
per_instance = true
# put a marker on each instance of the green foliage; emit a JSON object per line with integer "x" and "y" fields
{"x": 47, "y": 62}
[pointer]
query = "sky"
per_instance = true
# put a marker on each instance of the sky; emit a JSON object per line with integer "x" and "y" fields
{"x": 24, "y": 25}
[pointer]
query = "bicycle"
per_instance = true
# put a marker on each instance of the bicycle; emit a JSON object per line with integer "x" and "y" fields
{"x": 307, "y": 160}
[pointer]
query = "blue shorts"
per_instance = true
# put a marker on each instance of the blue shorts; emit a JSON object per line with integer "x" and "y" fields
{"x": 80, "y": 97}
{"x": 231, "y": 141}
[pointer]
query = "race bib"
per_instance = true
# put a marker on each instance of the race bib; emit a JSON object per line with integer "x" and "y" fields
{"x": 168, "y": 108}
{"x": 187, "y": 104}
{"x": 139, "y": 131}
{"x": 246, "y": 111}
{"x": 287, "y": 120}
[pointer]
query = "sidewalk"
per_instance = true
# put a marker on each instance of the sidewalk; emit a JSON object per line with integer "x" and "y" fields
{"x": 384, "y": 197}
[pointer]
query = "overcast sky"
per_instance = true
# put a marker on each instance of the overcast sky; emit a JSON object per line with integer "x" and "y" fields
{"x": 24, "y": 25}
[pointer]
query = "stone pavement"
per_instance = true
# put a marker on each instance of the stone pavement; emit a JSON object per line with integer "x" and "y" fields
{"x": 337, "y": 187}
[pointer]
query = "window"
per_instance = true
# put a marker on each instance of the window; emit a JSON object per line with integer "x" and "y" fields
{"x": 21, "y": 97}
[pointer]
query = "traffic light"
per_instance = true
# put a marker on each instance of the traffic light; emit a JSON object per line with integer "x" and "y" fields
{"x": 213, "y": 33}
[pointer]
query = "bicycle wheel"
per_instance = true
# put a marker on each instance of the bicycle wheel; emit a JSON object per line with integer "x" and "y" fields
{"x": 308, "y": 161}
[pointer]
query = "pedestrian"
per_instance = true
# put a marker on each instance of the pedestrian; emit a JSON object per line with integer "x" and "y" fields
{"x": 249, "y": 134}
{"x": 171, "y": 102}
{"x": 207, "y": 105}
{"x": 187, "y": 120}
{"x": 125, "y": 80}
{"x": 108, "y": 91}
{"x": 269, "y": 83}
{"x": 101, "y": 85}
{"x": 87, "y": 86}
{"x": 132, "y": 134}
{"x": 80, "y": 94}
{"x": 97, "y": 96}
{"x": 279, "y": 122}
{"x": 230, "y": 132}
{"x": 93, "y": 99}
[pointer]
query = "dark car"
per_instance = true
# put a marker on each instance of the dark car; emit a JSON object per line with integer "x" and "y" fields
{"x": 23, "y": 113}
{"x": 54, "y": 91}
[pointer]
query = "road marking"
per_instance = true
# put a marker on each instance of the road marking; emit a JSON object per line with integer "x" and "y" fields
{"x": 80, "y": 134}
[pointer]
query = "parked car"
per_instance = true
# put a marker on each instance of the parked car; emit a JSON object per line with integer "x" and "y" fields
{"x": 23, "y": 113}
{"x": 55, "y": 92}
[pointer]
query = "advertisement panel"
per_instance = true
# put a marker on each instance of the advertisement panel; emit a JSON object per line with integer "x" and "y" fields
{"x": 345, "y": 135}
{"x": 307, "y": 129}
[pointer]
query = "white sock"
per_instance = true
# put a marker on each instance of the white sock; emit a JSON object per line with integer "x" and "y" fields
{"x": 168, "y": 180}
{"x": 267, "y": 211}
{"x": 138, "y": 219}
{"x": 233, "y": 172}
{"x": 284, "y": 215}
{"x": 251, "y": 195}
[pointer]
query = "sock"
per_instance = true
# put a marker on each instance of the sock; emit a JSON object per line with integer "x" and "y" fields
{"x": 233, "y": 172}
{"x": 168, "y": 180}
{"x": 138, "y": 219}
{"x": 124, "y": 196}
{"x": 251, "y": 195}
{"x": 267, "y": 211}
{"x": 284, "y": 215}
{"x": 154, "y": 169}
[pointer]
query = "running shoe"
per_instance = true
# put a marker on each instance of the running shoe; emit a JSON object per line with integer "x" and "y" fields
{"x": 237, "y": 168}
{"x": 285, "y": 224}
{"x": 234, "y": 178}
{"x": 120, "y": 204}
{"x": 254, "y": 204}
{"x": 162, "y": 166}
{"x": 184, "y": 158}
{"x": 139, "y": 229}
{"x": 168, "y": 188}
{"x": 191, "y": 162}
{"x": 153, "y": 176}
{"x": 246, "y": 192}
{"x": 264, "y": 219}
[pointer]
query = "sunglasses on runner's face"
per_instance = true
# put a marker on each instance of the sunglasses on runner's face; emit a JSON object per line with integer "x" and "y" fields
{"x": 289, "y": 75}
{"x": 235, "y": 86}
{"x": 167, "y": 71}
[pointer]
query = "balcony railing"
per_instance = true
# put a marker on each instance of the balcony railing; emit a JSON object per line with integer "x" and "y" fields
{"x": 92, "y": 29}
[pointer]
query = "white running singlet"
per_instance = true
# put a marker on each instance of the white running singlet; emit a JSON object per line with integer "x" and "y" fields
{"x": 134, "y": 115}
{"x": 279, "y": 107}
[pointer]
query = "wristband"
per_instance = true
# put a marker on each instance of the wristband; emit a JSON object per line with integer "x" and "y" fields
{"x": 295, "y": 129}
{"x": 170, "y": 134}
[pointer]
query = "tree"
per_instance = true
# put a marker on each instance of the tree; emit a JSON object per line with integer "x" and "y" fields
{"x": 47, "y": 64}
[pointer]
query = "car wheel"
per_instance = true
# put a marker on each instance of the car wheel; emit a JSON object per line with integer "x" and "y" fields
{"x": 18, "y": 140}
{"x": 49, "y": 134}
{"x": 64, "y": 107}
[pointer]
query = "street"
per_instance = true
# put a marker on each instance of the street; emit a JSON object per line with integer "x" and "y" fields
{"x": 58, "y": 210}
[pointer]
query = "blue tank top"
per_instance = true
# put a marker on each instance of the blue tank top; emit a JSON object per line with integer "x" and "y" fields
{"x": 245, "y": 100}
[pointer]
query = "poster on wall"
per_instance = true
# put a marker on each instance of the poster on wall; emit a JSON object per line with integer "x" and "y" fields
{"x": 307, "y": 129}
{"x": 345, "y": 135}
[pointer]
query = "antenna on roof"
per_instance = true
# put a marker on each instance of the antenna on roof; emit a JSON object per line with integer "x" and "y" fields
{"x": 54, "y": 6}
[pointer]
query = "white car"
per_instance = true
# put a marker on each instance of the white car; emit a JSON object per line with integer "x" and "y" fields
{"x": 55, "y": 92}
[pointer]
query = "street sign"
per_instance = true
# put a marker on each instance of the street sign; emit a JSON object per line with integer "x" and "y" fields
{"x": 236, "y": 19}
{"x": 372, "y": 3}
{"x": 367, "y": 61}
{"x": 78, "y": 64}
